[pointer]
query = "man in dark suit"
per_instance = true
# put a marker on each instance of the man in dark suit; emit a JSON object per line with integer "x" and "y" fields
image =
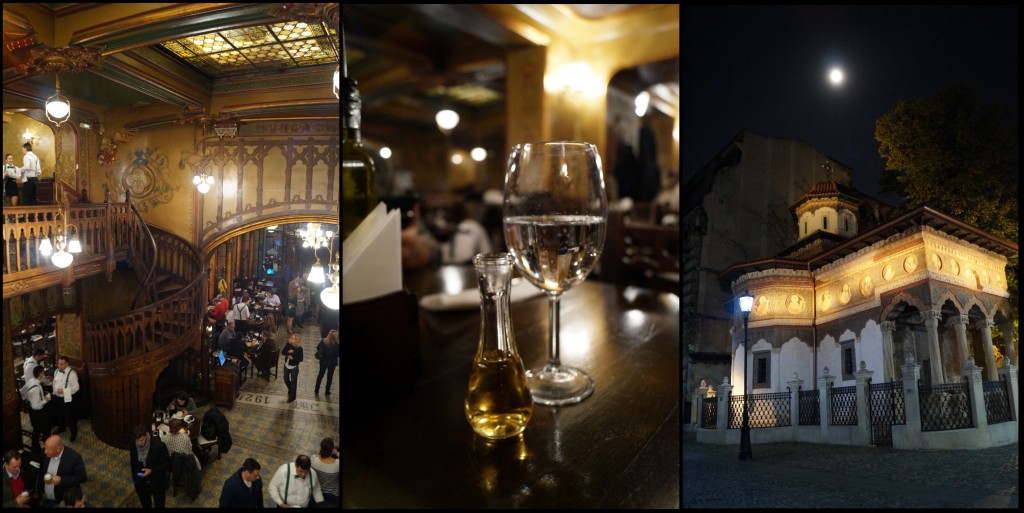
{"x": 66, "y": 468}
{"x": 244, "y": 488}
{"x": 150, "y": 466}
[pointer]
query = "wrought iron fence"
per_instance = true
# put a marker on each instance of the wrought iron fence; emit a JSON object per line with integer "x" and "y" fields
{"x": 945, "y": 406}
{"x": 997, "y": 404}
{"x": 844, "y": 406}
{"x": 809, "y": 413}
{"x": 709, "y": 413}
{"x": 765, "y": 410}
{"x": 885, "y": 408}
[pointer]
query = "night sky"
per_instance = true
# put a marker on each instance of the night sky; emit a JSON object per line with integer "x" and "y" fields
{"x": 765, "y": 69}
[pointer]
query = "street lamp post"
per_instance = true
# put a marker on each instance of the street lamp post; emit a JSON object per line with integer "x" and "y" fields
{"x": 746, "y": 302}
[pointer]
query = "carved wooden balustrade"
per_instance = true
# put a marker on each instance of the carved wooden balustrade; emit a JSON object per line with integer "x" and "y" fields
{"x": 105, "y": 231}
{"x": 126, "y": 354}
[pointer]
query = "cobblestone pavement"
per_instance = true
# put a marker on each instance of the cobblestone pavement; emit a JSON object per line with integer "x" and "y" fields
{"x": 800, "y": 475}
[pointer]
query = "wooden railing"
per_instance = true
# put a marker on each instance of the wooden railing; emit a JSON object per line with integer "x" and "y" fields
{"x": 104, "y": 230}
{"x": 144, "y": 252}
{"x": 126, "y": 354}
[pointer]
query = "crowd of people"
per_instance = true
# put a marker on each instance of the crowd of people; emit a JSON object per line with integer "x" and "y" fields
{"x": 25, "y": 177}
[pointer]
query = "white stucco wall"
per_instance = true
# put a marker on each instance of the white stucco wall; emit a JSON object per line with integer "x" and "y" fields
{"x": 828, "y": 356}
{"x": 870, "y": 350}
{"x": 795, "y": 356}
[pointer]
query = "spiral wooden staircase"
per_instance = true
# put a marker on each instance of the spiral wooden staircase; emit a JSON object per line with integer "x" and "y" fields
{"x": 121, "y": 356}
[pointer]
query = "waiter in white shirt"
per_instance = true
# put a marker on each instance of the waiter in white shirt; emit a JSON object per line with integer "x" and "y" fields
{"x": 37, "y": 399}
{"x": 30, "y": 172}
{"x": 293, "y": 483}
{"x": 33, "y": 361}
{"x": 65, "y": 386}
{"x": 12, "y": 175}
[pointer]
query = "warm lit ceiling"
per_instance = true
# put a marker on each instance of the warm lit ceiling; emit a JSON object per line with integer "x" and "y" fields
{"x": 179, "y": 55}
{"x": 410, "y": 59}
{"x": 290, "y": 44}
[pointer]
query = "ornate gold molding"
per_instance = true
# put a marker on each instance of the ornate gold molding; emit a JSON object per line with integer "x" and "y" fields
{"x": 74, "y": 59}
{"x": 328, "y": 13}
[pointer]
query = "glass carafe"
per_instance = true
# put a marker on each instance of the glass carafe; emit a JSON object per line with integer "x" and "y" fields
{"x": 498, "y": 404}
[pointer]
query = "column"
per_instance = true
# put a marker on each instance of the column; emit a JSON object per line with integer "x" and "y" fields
{"x": 724, "y": 392}
{"x": 911, "y": 404}
{"x": 1011, "y": 352}
{"x": 931, "y": 322}
{"x": 825, "y": 382}
{"x": 863, "y": 418}
{"x": 959, "y": 324}
{"x": 972, "y": 374}
{"x": 985, "y": 327}
{"x": 697, "y": 408}
{"x": 794, "y": 399}
{"x": 888, "y": 328}
{"x": 1009, "y": 373}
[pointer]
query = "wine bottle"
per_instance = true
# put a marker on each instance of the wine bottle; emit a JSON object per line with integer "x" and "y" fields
{"x": 358, "y": 178}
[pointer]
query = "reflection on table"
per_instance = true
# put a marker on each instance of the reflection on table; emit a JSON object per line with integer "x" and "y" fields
{"x": 618, "y": 448}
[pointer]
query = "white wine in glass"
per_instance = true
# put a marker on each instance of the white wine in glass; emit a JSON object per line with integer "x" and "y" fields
{"x": 555, "y": 211}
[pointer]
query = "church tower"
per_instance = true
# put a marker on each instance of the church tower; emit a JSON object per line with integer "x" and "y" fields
{"x": 827, "y": 207}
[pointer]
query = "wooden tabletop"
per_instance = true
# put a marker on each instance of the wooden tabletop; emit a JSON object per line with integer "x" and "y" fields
{"x": 618, "y": 448}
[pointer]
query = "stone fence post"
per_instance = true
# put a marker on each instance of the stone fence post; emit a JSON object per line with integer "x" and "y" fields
{"x": 724, "y": 392}
{"x": 698, "y": 402}
{"x": 794, "y": 400}
{"x": 972, "y": 375}
{"x": 1009, "y": 372}
{"x": 825, "y": 382}
{"x": 863, "y": 408}
{"x": 911, "y": 399}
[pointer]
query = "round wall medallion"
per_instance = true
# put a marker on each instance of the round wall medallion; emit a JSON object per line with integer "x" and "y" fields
{"x": 795, "y": 304}
{"x": 954, "y": 267}
{"x": 844, "y": 297}
{"x": 910, "y": 264}
{"x": 826, "y": 300}
{"x": 866, "y": 286}
{"x": 935, "y": 261}
{"x": 984, "y": 277}
{"x": 761, "y": 306}
{"x": 887, "y": 272}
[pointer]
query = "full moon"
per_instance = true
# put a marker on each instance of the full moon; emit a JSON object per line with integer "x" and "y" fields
{"x": 836, "y": 76}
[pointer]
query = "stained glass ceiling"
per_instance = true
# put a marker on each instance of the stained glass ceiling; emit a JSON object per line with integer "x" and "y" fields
{"x": 291, "y": 44}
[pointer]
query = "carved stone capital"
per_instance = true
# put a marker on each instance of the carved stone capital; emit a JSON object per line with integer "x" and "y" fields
{"x": 986, "y": 324}
{"x": 889, "y": 326}
{"x": 957, "y": 320}
{"x": 931, "y": 315}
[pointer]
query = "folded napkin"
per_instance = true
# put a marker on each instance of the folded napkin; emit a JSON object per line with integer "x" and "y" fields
{"x": 470, "y": 298}
{"x": 371, "y": 258}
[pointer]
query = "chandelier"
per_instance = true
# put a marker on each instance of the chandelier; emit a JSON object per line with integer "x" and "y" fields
{"x": 58, "y": 108}
{"x": 314, "y": 237}
{"x": 330, "y": 295}
{"x": 62, "y": 258}
{"x": 203, "y": 182}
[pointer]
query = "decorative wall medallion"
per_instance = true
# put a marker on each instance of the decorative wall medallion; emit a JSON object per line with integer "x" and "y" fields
{"x": 984, "y": 277}
{"x": 795, "y": 304}
{"x": 935, "y": 262}
{"x": 866, "y": 286}
{"x": 761, "y": 306}
{"x": 844, "y": 297}
{"x": 826, "y": 300}
{"x": 910, "y": 264}
{"x": 954, "y": 267}
{"x": 146, "y": 176}
{"x": 887, "y": 272}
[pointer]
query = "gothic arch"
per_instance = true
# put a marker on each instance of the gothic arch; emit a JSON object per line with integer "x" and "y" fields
{"x": 948, "y": 294}
{"x": 902, "y": 297}
{"x": 974, "y": 301}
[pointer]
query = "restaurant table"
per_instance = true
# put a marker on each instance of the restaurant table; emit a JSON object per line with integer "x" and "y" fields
{"x": 618, "y": 448}
{"x": 193, "y": 430}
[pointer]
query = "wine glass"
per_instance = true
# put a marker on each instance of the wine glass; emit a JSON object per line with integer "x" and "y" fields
{"x": 555, "y": 209}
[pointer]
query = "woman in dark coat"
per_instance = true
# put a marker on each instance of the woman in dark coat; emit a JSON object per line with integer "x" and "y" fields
{"x": 329, "y": 354}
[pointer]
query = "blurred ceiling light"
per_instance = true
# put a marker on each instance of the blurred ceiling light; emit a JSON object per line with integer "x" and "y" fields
{"x": 457, "y": 159}
{"x": 447, "y": 120}
{"x": 385, "y": 153}
{"x": 478, "y": 154}
{"x": 643, "y": 100}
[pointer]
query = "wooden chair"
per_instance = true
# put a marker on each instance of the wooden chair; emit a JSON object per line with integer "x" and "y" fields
{"x": 641, "y": 253}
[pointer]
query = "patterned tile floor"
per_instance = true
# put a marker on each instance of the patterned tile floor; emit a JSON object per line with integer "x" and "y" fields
{"x": 263, "y": 426}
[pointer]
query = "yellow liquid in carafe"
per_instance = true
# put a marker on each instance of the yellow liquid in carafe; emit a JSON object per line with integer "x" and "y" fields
{"x": 498, "y": 404}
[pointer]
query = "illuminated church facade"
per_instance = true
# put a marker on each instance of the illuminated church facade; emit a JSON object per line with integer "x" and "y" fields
{"x": 923, "y": 285}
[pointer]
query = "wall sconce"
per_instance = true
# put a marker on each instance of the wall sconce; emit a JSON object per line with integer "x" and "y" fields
{"x": 27, "y": 136}
{"x": 225, "y": 130}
